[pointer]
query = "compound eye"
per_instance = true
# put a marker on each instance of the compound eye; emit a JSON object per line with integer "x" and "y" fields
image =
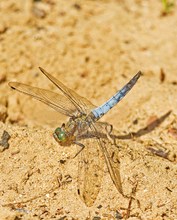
{"x": 58, "y": 130}
{"x": 60, "y": 134}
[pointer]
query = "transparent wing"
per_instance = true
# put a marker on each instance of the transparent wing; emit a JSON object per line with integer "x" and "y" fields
{"x": 82, "y": 104}
{"x": 110, "y": 152}
{"x": 99, "y": 147}
{"x": 90, "y": 171}
{"x": 58, "y": 102}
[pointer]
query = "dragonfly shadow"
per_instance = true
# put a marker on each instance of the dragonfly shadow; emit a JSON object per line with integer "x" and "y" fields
{"x": 149, "y": 128}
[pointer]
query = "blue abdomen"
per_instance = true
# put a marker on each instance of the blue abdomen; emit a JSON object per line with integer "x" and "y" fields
{"x": 103, "y": 109}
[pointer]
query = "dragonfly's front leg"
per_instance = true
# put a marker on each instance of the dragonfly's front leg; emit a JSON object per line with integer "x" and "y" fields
{"x": 80, "y": 145}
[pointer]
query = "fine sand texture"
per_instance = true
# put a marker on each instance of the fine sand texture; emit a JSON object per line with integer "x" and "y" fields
{"x": 94, "y": 48}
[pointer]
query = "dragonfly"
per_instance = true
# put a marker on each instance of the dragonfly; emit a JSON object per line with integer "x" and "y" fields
{"x": 84, "y": 125}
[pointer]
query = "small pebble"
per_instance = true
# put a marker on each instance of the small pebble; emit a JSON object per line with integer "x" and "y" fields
{"x": 4, "y": 140}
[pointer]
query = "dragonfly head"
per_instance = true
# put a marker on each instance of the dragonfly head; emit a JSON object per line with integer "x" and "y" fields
{"x": 60, "y": 135}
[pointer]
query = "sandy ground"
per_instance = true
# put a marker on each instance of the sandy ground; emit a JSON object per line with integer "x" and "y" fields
{"x": 94, "y": 47}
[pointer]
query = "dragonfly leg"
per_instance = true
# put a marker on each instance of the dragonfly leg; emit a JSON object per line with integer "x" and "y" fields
{"x": 110, "y": 128}
{"x": 80, "y": 145}
{"x": 109, "y": 135}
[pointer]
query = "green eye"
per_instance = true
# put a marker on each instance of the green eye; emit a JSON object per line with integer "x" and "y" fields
{"x": 60, "y": 134}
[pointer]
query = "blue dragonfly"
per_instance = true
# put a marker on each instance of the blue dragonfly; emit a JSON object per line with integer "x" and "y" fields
{"x": 83, "y": 125}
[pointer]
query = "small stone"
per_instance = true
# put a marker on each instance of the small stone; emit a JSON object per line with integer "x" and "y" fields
{"x": 4, "y": 140}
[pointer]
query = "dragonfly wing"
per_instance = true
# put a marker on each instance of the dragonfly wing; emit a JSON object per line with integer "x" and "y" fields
{"x": 90, "y": 171}
{"x": 58, "y": 102}
{"x": 82, "y": 104}
{"x": 110, "y": 152}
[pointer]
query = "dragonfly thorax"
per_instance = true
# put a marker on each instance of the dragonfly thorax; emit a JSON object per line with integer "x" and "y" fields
{"x": 67, "y": 133}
